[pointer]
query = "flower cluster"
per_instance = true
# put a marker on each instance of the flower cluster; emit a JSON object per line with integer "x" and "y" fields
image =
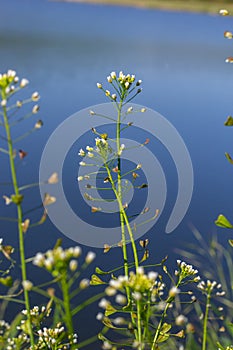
{"x": 123, "y": 84}
{"x": 58, "y": 260}
{"x": 37, "y": 311}
{"x": 186, "y": 271}
{"x": 18, "y": 342}
{"x": 48, "y": 337}
{"x": 208, "y": 287}
{"x": 137, "y": 282}
{"x": 103, "y": 148}
{"x": 140, "y": 284}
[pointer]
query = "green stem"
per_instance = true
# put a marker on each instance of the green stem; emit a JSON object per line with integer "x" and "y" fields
{"x": 66, "y": 301}
{"x": 87, "y": 302}
{"x": 118, "y": 141}
{"x": 205, "y": 324}
{"x": 139, "y": 321}
{"x": 20, "y": 218}
{"x": 153, "y": 347}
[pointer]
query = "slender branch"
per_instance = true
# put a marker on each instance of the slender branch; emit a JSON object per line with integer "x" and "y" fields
{"x": 20, "y": 217}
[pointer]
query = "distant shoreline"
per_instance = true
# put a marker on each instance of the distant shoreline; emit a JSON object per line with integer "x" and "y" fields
{"x": 198, "y": 6}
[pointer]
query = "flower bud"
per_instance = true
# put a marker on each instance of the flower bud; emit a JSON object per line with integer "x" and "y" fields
{"x": 90, "y": 257}
{"x": 27, "y": 285}
{"x": 35, "y": 96}
{"x": 23, "y": 83}
{"x": 73, "y": 265}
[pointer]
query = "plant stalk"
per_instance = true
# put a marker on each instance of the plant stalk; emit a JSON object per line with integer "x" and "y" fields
{"x": 205, "y": 323}
{"x": 20, "y": 218}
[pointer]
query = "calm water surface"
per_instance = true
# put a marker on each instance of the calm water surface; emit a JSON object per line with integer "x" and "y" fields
{"x": 64, "y": 49}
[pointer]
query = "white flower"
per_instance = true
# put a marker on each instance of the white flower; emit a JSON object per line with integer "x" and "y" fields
{"x": 88, "y": 148}
{"x": 35, "y": 109}
{"x": 143, "y": 110}
{"x": 39, "y": 259}
{"x": 115, "y": 284}
{"x": 99, "y": 316}
{"x": 174, "y": 291}
{"x": 81, "y": 152}
{"x": 121, "y": 299}
{"x": 181, "y": 320}
{"x": 113, "y": 75}
{"x": 110, "y": 291}
{"x": 99, "y": 86}
{"x": 127, "y": 85}
{"x": 223, "y": 12}
{"x": 119, "y": 321}
{"x": 140, "y": 270}
{"x": 80, "y": 178}
{"x": 27, "y": 285}
{"x": 84, "y": 283}
{"x": 130, "y": 110}
{"x": 77, "y": 251}
{"x": 114, "y": 96}
{"x": 152, "y": 275}
{"x": 11, "y": 73}
{"x": 137, "y": 296}
{"x": 35, "y": 96}
{"x": 90, "y": 257}
{"x": 109, "y": 79}
{"x": 90, "y": 155}
{"x": 3, "y": 103}
{"x": 73, "y": 265}
{"x": 103, "y": 303}
{"x": 82, "y": 163}
{"x": 92, "y": 112}
{"x": 106, "y": 345}
{"x": 19, "y": 104}
{"x": 23, "y": 83}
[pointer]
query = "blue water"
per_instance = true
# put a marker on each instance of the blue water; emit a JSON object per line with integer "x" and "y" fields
{"x": 64, "y": 49}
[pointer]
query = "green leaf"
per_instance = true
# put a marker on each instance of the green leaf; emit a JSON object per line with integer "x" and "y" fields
{"x": 223, "y": 222}
{"x": 230, "y": 160}
{"x": 230, "y": 241}
{"x": 6, "y": 281}
{"x": 95, "y": 281}
{"x": 229, "y": 121}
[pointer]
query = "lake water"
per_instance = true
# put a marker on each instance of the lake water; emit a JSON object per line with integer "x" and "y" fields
{"x": 64, "y": 49}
